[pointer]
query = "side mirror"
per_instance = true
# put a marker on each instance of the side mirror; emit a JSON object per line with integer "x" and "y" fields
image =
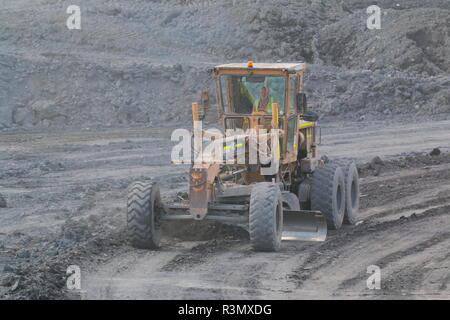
{"x": 301, "y": 103}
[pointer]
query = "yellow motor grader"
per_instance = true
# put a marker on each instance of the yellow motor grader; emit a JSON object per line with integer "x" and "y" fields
{"x": 266, "y": 176}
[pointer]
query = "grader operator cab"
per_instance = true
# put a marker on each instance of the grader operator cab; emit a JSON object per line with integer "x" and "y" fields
{"x": 267, "y": 176}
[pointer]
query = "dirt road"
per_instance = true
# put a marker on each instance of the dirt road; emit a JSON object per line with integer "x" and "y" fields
{"x": 65, "y": 205}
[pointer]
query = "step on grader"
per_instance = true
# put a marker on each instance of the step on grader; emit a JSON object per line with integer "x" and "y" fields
{"x": 292, "y": 195}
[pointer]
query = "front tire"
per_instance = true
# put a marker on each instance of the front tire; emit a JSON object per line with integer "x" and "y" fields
{"x": 328, "y": 194}
{"x": 266, "y": 217}
{"x": 143, "y": 214}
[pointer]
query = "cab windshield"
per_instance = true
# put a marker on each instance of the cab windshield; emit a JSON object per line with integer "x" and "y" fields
{"x": 244, "y": 94}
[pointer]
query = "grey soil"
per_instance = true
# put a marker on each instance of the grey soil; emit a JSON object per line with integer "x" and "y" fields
{"x": 66, "y": 205}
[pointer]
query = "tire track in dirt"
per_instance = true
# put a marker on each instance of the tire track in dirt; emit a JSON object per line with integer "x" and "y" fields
{"x": 396, "y": 256}
{"x": 207, "y": 262}
{"x": 354, "y": 245}
{"x": 336, "y": 268}
{"x": 299, "y": 270}
{"x": 405, "y": 211}
{"x": 197, "y": 255}
{"x": 211, "y": 261}
{"x": 388, "y": 190}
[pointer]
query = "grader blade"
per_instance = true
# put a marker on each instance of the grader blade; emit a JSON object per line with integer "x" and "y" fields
{"x": 304, "y": 226}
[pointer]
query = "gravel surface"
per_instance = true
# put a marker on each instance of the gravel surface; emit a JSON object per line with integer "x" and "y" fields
{"x": 141, "y": 63}
{"x": 66, "y": 191}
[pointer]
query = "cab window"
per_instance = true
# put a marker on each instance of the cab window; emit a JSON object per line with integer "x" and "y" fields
{"x": 241, "y": 94}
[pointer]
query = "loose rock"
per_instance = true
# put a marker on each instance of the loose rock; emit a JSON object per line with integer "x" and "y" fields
{"x": 3, "y": 203}
{"x": 435, "y": 152}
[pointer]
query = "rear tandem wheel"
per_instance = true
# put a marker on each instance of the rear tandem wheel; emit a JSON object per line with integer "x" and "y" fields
{"x": 328, "y": 194}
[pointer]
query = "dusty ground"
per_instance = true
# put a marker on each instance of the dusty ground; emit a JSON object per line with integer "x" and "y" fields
{"x": 65, "y": 194}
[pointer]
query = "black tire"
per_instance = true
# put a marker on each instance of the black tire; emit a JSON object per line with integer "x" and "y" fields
{"x": 351, "y": 192}
{"x": 143, "y": 214}
{"x": 290, "y": 201}
{"x": 328, "y": 194}
{"x": 304, "y": 195}
{"x": 266, "y": 217}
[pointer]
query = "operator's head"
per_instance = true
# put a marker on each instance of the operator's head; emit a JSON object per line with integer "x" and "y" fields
{"x": 263, "y": 92}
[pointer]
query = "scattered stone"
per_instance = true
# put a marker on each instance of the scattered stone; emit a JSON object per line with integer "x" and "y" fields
{"x": 340, "y": 84}
{"x": 23, "y": 254}
{"x": 7, "y": 280}
{"x": 377, "y": 161}
{"x": 48, "y": 166}
{"x": 8, "y": 268}
{"x": 15, "y": 286}
{"x": 435, "y": 152}
{"x": 3, "y": 203}
{"x": 377, "y": 171}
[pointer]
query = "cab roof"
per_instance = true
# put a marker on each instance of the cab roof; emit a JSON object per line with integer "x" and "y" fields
{"x": 263, "y": 66}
